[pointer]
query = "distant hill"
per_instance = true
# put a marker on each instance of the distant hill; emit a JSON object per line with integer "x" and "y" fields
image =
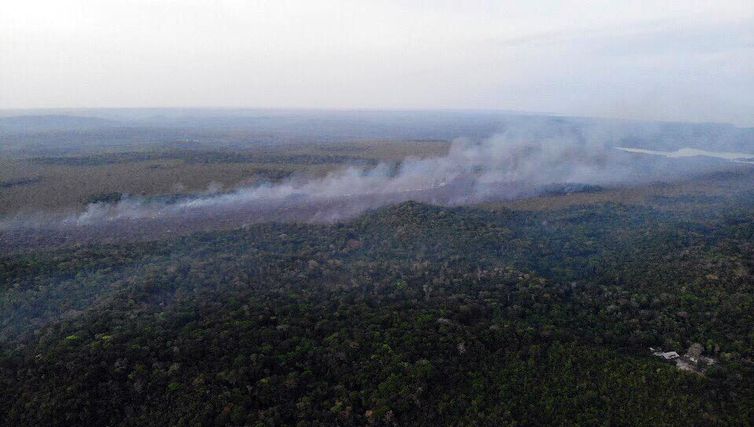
{"x": 241, "y": 128}
{"x": 43, "y": 123}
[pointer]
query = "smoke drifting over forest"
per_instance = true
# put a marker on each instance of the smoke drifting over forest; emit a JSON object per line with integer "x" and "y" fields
{"x": 522, "y": 161}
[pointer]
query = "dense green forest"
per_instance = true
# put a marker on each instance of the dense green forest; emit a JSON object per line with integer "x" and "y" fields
{"x": 411, "y": 315}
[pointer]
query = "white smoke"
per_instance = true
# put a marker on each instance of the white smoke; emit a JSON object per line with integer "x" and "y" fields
{"x": 494, "y": 162}
{"x": 507, "y": 165}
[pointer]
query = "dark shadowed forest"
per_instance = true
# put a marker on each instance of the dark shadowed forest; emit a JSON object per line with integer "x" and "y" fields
{"x": 586, "y": 303}
{"x": 411, "y": 314}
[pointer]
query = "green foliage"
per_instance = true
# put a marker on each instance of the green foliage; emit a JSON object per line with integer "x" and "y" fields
{"x": 112, "y": 197}
{"x": 409, "y": 315}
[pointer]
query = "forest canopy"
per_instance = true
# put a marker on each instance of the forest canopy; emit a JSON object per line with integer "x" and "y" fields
{"x": 411, "y": 314}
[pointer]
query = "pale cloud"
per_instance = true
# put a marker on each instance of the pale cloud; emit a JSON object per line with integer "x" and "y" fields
{"x": 652, "y": 60}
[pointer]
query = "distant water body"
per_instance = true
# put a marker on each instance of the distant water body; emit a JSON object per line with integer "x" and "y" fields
{"x": 694, "y": 152}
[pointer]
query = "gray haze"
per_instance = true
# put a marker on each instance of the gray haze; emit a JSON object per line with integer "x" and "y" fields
{"x": 527, "y": 156}
{"x": 532, "y": 156}
{"x": 666, "y": 60}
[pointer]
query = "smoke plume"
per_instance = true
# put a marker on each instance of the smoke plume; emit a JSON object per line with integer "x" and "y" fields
{"x": 516, "y": 163}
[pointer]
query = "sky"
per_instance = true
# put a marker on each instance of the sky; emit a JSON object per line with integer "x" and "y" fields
{"x": 658, "y": 60}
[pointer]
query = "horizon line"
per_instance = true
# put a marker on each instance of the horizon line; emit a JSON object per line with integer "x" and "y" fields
{"x": 4, "y": 111}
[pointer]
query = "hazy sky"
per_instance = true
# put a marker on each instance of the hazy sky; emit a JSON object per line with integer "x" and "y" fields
{"x": 671, "y": 60}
